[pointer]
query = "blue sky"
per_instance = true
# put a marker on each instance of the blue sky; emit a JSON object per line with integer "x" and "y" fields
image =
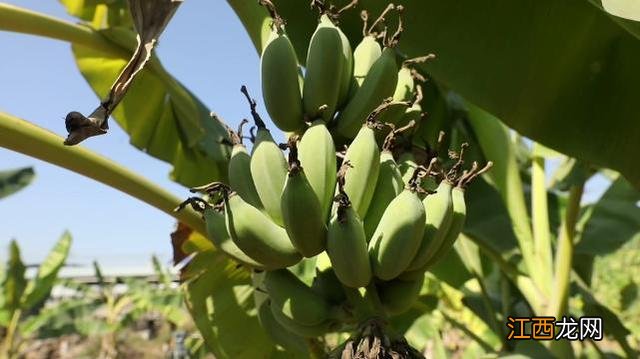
{"x": 205, "y": 47}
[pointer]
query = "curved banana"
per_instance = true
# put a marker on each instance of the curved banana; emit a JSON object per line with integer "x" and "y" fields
{"x": 295, "y": 299}
{"x": 323, "y": 78}
{"x": 280, "y": 83}
{"x": 307, "y": 331}
{"x": 398, "y": 234}
{"x": 239, "y": 170}
{"x": 268, "y": 166}
{"x": 397, "y": 296}
{"x": 407, "y": 165}
{"x": 439, "y": 207}
{"x": 327, "y": 284}
{"x": 317, "y": 155}
{"x": 347, "y": 70}
{"x": 347, "y": 243}
{"x": 364, "y": 56}
{"x": 459, "y": 212}
{"x": 217, "y": 233}
{"x": 378, "y": 85}
{"x": 364, "y": 157}
{"x": 388, "y": 186}
{"x": 302, "y": 213}
{"x": 257, "y": 236}
{"x": 279, "y": 334}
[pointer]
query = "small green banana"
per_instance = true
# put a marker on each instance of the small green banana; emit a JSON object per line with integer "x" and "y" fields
{"x": 279, "y": 334}
{"x": 307, "y": 331}
{"x": 256, "y": 234}
{"x": 364, "y": 156}
{"x": 346, "y": 241}
{"x": 459, "y": 212}
{"x": 439, "y": 208}
{"x": 323, "y": 77}
{"x": 364, "y": 56}
{"x": 280, "y": 83}
{"x": 317, "y": 155}
{"x": 398, "y": 234}
{"x": 295, "y": 299}
{"x": 397, "y": 296}
{"x": 302, "y": 213}
{"x": 347, "y": 70}
{"x": 217, "y": 233}
{"x": 407, "y": 165}
{"x": 378, "y": 85}
{"x": 268, "y": 166}
{"x": 239, "y": 170}
{"x": 388, "y": 186}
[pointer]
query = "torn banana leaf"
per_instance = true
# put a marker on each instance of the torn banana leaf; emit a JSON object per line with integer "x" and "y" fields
{"x": 160, "y": 115}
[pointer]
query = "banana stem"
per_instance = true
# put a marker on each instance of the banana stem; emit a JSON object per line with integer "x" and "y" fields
{"x": 540, "y": 220}
{"x": 564, "y": 252}
{"x": 21, "y": 136}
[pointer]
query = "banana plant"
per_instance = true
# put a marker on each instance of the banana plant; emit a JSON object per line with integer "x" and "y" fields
{"x": 22, "y": 298}
{"x": 14, "y": 180}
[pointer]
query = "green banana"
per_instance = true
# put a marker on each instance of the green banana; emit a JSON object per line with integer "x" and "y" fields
{"x": 397, "y": 296}
{"x": 323, "y": 78}
{"x": 307, "y": 331}
{"x": 407, "y": 165}
{"x": 402, "y": 100}
{"x": 239, "y": 170}
{"x": 347, "y": 243}
{"x": 398, "y": 234}
{"x": 279, "y": 334}
{"x": 217, "y": 233}
{"x": 364, "y": 156}
{"x": 317, "y": 155}
{"x": 459, "y": 212}
{"x": 257, "y": 236}
{"x": 457, "y": 223}
{"x": 347, "y": 70}
{"x": 364, "y": 56}
{"x": 388, "y": 186}
{"x": 439, "y": 207}
{"x": 280, "y": 83}
{"x": 268, "y": 166}
{"x": 378, "y": 85}
{"x": 327, "y": 284}
{"x": 302, "y": 213}
{"x": 295, "y": 299}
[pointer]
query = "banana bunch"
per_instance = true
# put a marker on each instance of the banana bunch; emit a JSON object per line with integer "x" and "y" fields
{"x": 372, "y": 216}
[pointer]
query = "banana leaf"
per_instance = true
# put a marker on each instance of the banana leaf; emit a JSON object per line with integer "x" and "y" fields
{"x": 14, "y": 180}
{"x": 40, "y": 287}
{"x": 563, "y": 73}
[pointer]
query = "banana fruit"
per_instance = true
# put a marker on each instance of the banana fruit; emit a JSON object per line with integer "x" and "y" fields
{"x": 397, "y": 296}
{"x": 364, "y": 56}
{"x": 280, "y": 83}
{"x": 302, "y": 213}
{"x": 378, "y": 85}
{"x": 317, "y": 155}
{"x": 257, "y": 235}
{"x": 388, "y": 186}
{"x": 439, "y": 207}
{"x": 217, "y": 233}
{"x": 364, "y": 157}
{"x": 268, "y": 166}
{"x": 347, "y": 243}
{"x": 295, "y": 300}
{"x": 398, "y": 234}
{"x": 239, "y": 170}
{"x": 323, "y": 78}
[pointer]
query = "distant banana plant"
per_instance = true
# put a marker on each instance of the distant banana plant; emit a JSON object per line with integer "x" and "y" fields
{"x": 22, "y": 298}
